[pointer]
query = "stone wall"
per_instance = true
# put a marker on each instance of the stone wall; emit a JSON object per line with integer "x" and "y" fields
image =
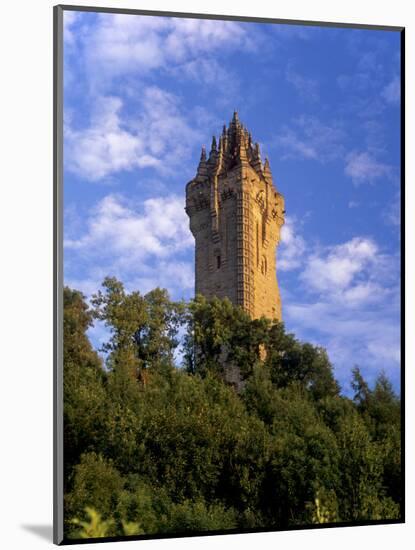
{"x": 235, "y": 216}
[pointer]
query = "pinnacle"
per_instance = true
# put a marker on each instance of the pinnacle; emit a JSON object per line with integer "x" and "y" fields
{"x": 235, "y": 146}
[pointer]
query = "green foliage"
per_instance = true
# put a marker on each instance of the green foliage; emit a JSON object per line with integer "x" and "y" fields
{"x": 152, "y": 448}
{"x": 84, "y": 394}
{"x": 198, "y": 516}
{"x": 94, "y": 527}
{"x": 324, "y": 509}
{"x": 219, "y": 332}
{"x": 96, "y": 483}
{"x": 381, "y": 410}
{"x": 143, "y": 328}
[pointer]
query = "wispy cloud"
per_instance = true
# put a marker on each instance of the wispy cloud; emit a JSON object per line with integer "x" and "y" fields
{"x": 392, "y": 91}
{"x": 122, "y": 44}
{"x": 349, "y": 304}
{"x": 306, "y": 87}
{"x": 145, "y": 245}
{"x": 69, "y": 19}
{"x": 159, "y": 136}
{"x": 159, "y": 228}
{"x": 310, "y": 138}
{"x": 292, "y": 247}
{"x": 288, "y": 32}
{"x": 368, "y": 338}
{"x": 392, "y": 213}
{"x": 363, "y": 167}
{"x": 209, "y": 71}
{"x": 105, "y": 146}
{"x": 343, "y": 271}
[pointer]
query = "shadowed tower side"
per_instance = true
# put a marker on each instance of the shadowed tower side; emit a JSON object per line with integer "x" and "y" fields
{"x": 236, "y": 215}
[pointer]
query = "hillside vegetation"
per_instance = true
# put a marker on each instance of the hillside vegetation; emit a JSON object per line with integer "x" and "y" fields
{"x": 151, "y": 448}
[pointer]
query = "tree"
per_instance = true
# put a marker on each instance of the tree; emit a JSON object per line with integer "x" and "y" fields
{"x": 77, "y": 318}
{"x": 143, "y": 328}
{"x": 361, "y": 494}
{"x": 292, "y": 361}
{"x": 381, "y": 410}
{"x": 83, "y": 382}
{"x": 126, "y": 316}
{"x": 152, "y": 448}
{"x": 159, "y": 338}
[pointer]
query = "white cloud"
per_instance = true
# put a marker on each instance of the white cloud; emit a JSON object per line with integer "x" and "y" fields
{"x": 369, "y": 338}
{"x": 335, "y": 270}
{"x": 159, "y": 136}
{"x": 167, "y": 131}
{"x": 294, "y": 146}
{"x": 86, "y": 285}
{"x": 143, "y": 245}
{"x": 99, "y": 334}
{"x": 159, "y": 228}
{"x": 177, "y": 277}
{"x": 309, "y": 138}
{"x": 363, "y": 167}
{"x": 157, "y": 131}
{"x": 350, "y": 306}
{"x": 122, "y": 44}
{"x": 392, "y": 92}
{"x": 208, "y": 71}
{"x": 291, "y": 248}
{"x": 105, "y": 146}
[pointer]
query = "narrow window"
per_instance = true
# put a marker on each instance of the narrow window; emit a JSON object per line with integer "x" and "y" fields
{"x": 218, "y": 262}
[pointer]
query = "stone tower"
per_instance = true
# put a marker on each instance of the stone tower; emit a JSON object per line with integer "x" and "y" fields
{"x": 235, "y": 216}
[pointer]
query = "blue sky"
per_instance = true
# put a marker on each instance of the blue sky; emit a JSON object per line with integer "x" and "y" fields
{"x": 142, "y": 95}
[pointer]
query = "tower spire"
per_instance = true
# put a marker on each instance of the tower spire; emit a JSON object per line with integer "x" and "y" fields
{"x": 202, "y": 168}
{"x": 267, "y": 169}
{"x": 242, "y": 149}
{"x": 213, "y": 146}
{"x": 256, "y": 159}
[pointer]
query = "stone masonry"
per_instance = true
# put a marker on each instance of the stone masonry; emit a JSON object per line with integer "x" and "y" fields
{"x": 236, "y": 215}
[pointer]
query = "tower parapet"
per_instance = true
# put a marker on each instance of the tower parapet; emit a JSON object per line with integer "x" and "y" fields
{"x": 236, "y": 215}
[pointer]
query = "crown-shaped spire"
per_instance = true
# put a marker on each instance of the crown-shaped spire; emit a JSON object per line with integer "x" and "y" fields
{"x": 235, "y": 147}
